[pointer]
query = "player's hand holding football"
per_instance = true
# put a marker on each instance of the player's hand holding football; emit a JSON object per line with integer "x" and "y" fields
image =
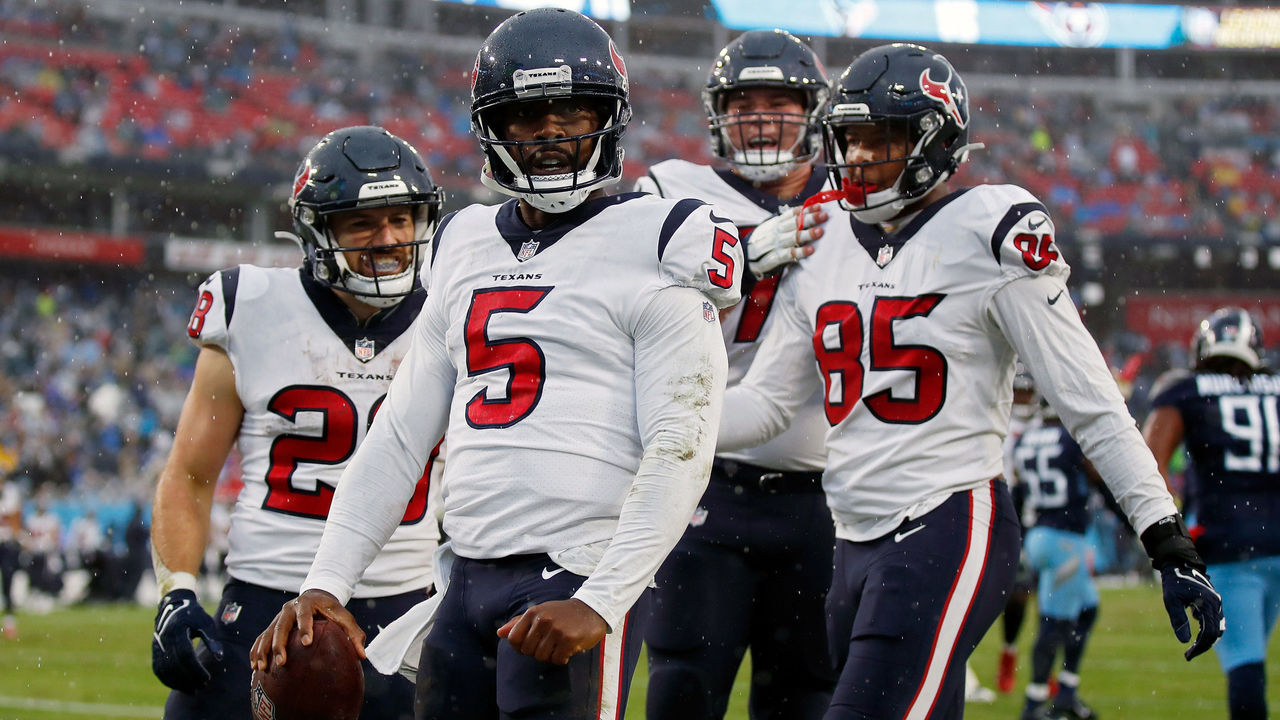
{"x": 174, "y": 658}
{"x": 555, "y": 631}
{"x": 1185, "y": 584}
{"x": 270, "y": 646}
{"x": 784, "y": 238}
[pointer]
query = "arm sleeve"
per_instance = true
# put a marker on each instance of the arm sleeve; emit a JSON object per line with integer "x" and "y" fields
{"x": 380, "y": 478}
{"x": 680, "y": 368}
{"x": 1070, "y": 371}
{"x": 781, "y": 378}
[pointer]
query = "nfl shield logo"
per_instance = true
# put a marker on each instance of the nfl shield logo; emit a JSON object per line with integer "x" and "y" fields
{"x": 886, "y": 254}
{"x": 263, "y": 708}
{"x": 527, "y": 250}
{"x": 708, "y": 312}
{"x": 699, "y": 517}
{"x": 230, "y": 613}
{"x": 364, "y": 350}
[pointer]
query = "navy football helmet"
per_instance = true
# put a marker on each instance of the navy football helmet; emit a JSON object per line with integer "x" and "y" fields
{"x": 1229, "y": 332}
{"x": 356, "y": 168}
{"x": 549, "y": 53}
{"x": 766, "y": 59}
{"x": 908, "y": 92}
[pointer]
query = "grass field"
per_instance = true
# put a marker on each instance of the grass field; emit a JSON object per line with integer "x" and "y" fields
{"x": 94, "y": 662}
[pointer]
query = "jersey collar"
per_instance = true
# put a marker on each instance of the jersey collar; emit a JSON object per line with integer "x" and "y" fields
{"x": 874, "y": 240}
{"x": 512, "y": 228}
{"x": 382, "y": 329}
{"x": 771, "y": 203}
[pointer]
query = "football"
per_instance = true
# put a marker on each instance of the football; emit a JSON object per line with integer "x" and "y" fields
{"x": 322, "y": 681}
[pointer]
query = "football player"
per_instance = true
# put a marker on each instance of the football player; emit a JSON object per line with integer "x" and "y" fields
{"x": 754, "y": 565}
{"x": 573, "y": 338}
{"x": 293, "y": 366}
{"x": 1224, "y": 412}
{"x": 10, "y": 552}
{"x": 911, "y": 313}
{"x": 1025, "y": 401}
{"x": 1057, "y": 478}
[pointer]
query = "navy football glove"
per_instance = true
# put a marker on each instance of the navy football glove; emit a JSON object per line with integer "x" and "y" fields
{"x": 173, "y": 651}
{"x": 1185, "y": 584}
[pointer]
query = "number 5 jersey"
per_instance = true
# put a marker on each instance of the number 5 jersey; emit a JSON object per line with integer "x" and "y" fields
{"x": 311, "y": 380}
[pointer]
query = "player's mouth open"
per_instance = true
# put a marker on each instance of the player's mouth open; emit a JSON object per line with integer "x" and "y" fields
{"x": 551, "y": 163}
{"x": 757, "y": 143}
{"x": 385, "y": 264}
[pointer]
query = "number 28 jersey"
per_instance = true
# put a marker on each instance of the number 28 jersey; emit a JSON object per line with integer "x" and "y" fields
{"x": 310, "y": 380}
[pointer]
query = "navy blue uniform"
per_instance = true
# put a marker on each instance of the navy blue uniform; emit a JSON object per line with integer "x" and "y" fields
{"x": 1232, "y": 434}
{"x": 1051, "y": 467}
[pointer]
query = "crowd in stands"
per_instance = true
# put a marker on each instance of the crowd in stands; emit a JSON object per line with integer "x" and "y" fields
{"x": 228, "y": 98}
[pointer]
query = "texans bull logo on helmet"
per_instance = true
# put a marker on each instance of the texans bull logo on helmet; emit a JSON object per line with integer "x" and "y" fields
{"x": 951, "y": 98}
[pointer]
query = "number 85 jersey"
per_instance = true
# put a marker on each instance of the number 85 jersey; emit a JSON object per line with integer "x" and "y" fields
{"x": 310, "y": 380}
{"x": 915, "y": 337}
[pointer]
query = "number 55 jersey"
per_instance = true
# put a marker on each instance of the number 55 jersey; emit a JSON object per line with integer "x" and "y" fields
{"x": 914, "y": 337}
{"x": 311, "y": 380}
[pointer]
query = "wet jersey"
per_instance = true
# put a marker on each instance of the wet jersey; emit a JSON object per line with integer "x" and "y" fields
{"x": 914, "y": 337}
{"x": 1052, "y": 468}
{"x": 578, "y": 366}
{"x": 1231, "y": 430}
{"x": 310, "y": 379}
{"x": 800, "y": 446}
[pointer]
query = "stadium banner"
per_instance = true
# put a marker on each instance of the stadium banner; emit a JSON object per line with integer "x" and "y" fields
{"x": 71, "y": 246}
{"x": 619, "y": 10}
{"x": 1166, "y": 317}
{"x": 206, "y": 255}
{"x": 1015, "y": 22}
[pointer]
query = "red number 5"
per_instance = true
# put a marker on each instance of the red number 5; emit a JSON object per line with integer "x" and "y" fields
{"x": 520, "y": 357}
{"x": 722, "y": 240}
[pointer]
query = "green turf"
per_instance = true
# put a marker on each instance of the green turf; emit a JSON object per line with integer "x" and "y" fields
{"x": 93, "y": 661}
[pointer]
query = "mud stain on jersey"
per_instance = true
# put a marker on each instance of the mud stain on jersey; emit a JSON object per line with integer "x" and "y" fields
{"x": 693, "y": 392}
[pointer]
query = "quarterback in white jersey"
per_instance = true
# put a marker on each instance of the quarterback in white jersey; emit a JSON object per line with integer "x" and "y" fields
{"x": 293, "y": 367}
{"x": 754, "y": 565}
{"x": 911, "y": 314}
{"x": 573, "y": 339}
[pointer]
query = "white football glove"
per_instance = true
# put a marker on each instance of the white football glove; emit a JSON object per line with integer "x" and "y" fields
{"x": 784, "y": 238}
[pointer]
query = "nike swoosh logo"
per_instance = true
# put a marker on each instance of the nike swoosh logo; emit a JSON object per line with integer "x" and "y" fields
{"x": 548, "y": 573}
{"x": 1033, "y": 225}
{"x": 1054, "y": 299}
{"x": 899, "y": 537}
{"x": 167, "y": 615}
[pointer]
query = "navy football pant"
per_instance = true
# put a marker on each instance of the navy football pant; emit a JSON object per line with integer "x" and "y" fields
{"x": 753, "y": 570}
{"x": 467, "y": 672}
{"x": 245, "y": 611}
{"x": 907, "y": 609}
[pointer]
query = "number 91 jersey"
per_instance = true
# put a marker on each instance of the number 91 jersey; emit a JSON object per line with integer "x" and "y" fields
{"x": 917, "y": 372}
{"x": 310, "y": 380}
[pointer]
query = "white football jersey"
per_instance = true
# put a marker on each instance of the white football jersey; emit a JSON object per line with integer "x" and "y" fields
{"x": 801, "y": 446}
{"x": 916, "y": 355}
{"x": 539, "y": 328}
{"x": 310, "y": 379}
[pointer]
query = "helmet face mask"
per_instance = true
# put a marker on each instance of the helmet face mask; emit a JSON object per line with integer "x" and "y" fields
{"x": 356, "y": 171}
{"x": 556, "y": 55}
{"x": 898, "y": 91}
{"x": 1228, "y": 334}
{"x": 753, "y": 140}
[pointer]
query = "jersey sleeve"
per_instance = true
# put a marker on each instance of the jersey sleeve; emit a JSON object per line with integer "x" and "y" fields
{"x": 1023, "y": 240}
{"x": 383, "y": 474}
{"x": 1045, "y": 330}
{"x": 701, "y": 250}
{"x": 648, "y": 184}
{"x": 215, "y": 303}
{"x": 680, "y": 371}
